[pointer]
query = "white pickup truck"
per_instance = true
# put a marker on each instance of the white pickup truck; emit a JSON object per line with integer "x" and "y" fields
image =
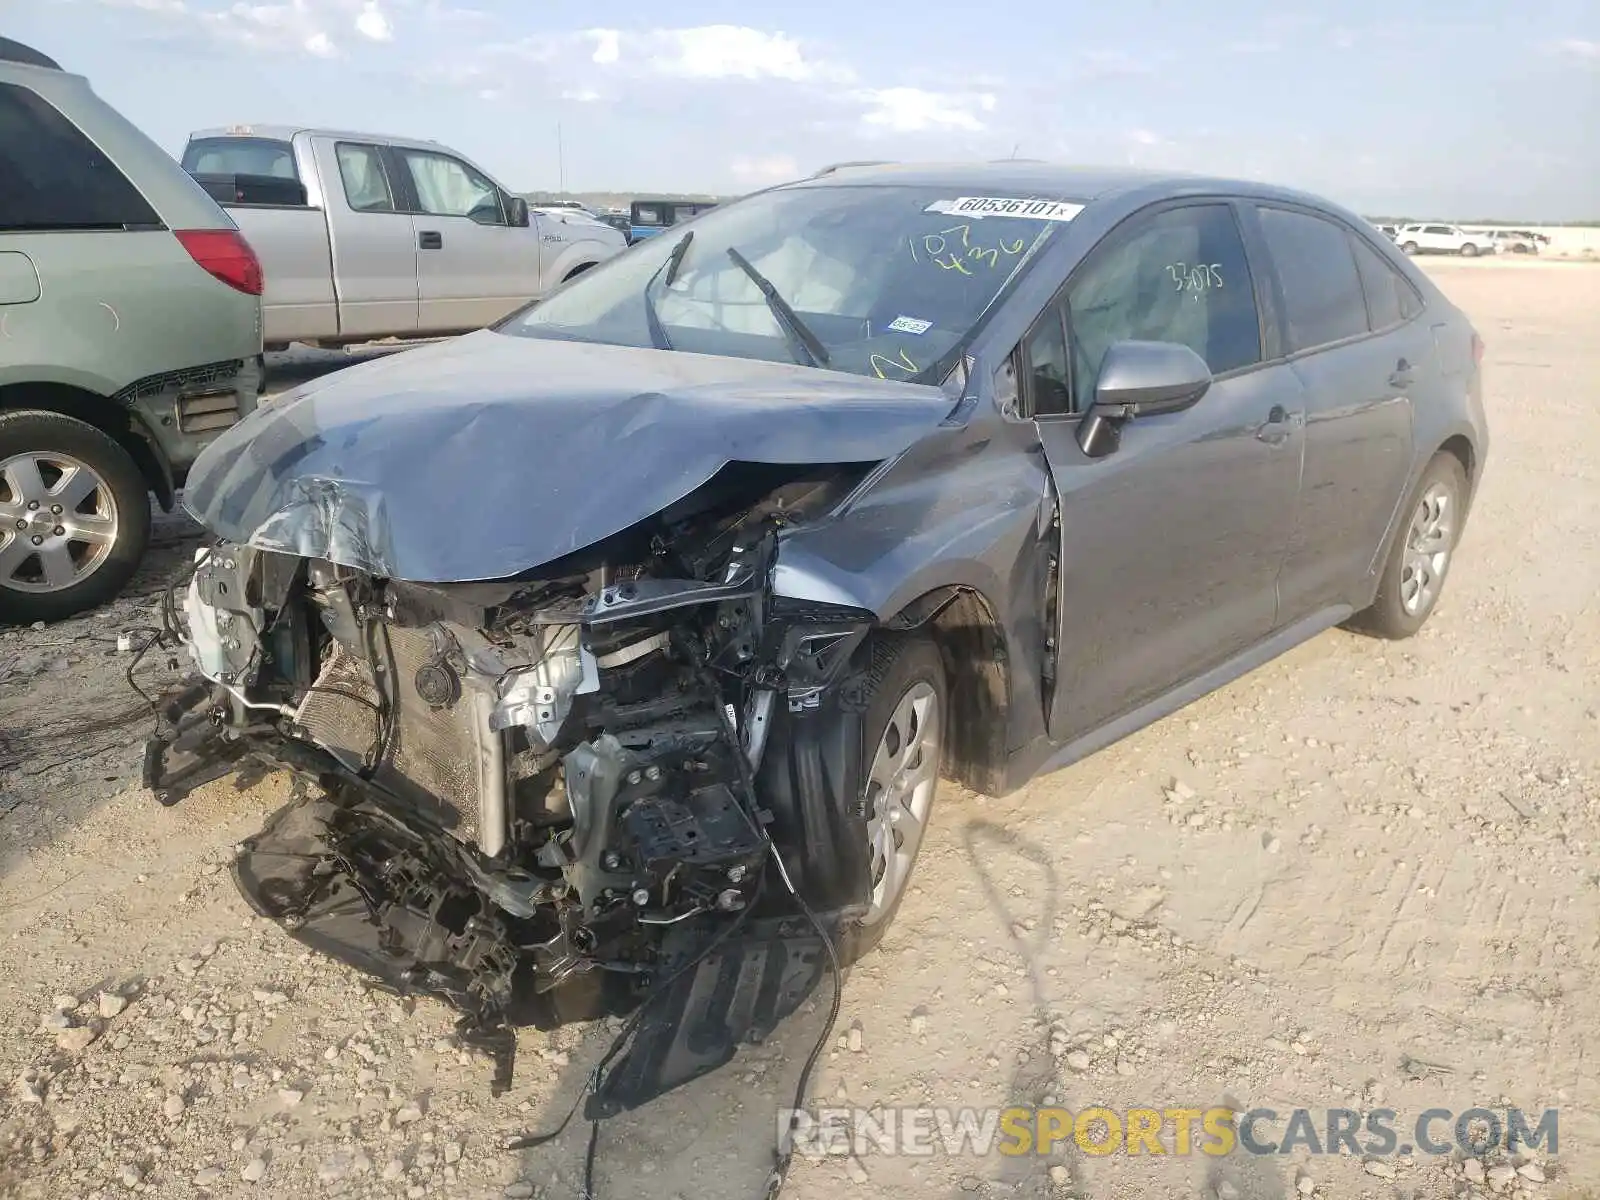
{"x": 363, "y": 236}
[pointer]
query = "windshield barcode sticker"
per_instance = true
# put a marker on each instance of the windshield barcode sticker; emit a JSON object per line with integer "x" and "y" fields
{"x": 1001, "y": 206}
{"x": 910, "y": 325}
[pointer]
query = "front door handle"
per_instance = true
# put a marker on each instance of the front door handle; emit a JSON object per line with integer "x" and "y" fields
{"x": 1402, "y": 376}
{"x": 430, "y": 239}
{"x": 1275, "y": 429}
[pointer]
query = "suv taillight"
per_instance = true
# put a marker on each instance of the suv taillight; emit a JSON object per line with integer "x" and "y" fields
{"x": 224, "y": 254}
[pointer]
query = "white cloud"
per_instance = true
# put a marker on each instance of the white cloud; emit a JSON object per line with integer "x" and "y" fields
{"x": 607, "y": 45}
{"x": 289, "y": 26}
{"x": 730, "y": 52}
{"x": 1578, "y": 48}
{"x": 1145, "y": 137}
{"x": 776, "y": 168}
{"x": 581, "y": 95}
{"x": 913, "y": 110}
{"x": 373, "y": 24}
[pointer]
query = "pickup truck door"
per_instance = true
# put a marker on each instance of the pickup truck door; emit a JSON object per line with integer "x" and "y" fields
{"x": 373, "y": 245}
{"x": 473, "y": 266}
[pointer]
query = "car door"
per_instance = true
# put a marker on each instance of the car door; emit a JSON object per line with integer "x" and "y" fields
{"x": 1348, "y": 328}
{"x": 371, "y": 240}
{"x": 473, "y": 266}
{"x": 1171, "y": 544}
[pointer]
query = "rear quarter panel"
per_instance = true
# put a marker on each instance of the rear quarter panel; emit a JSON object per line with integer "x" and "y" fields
{"x": 116, "y": 307}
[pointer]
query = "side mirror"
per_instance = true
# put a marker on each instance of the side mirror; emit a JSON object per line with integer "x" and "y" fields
{"x": 1140, "y": 379}
{"x": 517, "y": 212}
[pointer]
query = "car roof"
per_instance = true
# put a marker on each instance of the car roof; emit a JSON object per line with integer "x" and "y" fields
{"x": 1061, "y": 181}
{"x": 285, "y": 133}
{"x": 12, "y": 51}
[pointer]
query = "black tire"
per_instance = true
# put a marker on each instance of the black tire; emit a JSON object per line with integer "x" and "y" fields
{"x": 1469, "y": 251}
{"x": 1409, "y": 248}
{"x": 1388, "y": 616}
{"x": 899, "y": 664}
{"x": 37, "y": 431}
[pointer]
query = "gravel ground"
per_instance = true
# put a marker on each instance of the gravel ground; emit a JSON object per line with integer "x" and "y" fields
{"x": 1365, "y": 875}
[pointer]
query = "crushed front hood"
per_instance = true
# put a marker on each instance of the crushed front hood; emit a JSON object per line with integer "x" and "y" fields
{"x": 489, "y": 455}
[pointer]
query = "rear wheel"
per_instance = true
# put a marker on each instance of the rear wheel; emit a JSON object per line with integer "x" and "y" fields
{"x": 902, "y": 740}
{"x": 1408, "y": 248}
{"x": 1414, "y": 576}
{"x": 74, "y": 517}
{"x": 1469, "y": 251}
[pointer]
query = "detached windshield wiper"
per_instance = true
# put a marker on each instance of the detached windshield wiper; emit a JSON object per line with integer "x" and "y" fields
{"x": 669, "y": 269}
{"x": 794, "y": 329}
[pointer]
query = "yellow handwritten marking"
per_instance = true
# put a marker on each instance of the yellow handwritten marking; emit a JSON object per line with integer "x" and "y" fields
{"x": 963, "y": 230}
{"x": 980, "y": 254}
{"x": 900, "y": 363}
{"x": 955, "y": 264}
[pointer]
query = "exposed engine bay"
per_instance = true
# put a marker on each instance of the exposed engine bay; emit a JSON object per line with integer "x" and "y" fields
{"x": 630, "y": 775}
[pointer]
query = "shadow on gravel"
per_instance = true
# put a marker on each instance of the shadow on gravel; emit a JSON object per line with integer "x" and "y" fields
{"x": 713, "y": 1138}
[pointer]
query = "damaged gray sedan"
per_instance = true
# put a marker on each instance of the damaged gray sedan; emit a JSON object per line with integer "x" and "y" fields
{"x": 626, "y": 642}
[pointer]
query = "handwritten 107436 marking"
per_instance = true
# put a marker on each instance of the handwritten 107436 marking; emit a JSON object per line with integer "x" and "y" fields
{"x": 1195, "y": 279}
{"x": 939, "y": 249}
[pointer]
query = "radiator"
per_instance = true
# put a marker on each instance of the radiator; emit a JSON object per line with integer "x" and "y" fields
{"x": 449, "y": 756}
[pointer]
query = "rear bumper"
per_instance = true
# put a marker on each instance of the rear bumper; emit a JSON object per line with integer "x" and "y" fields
{"x": 185, "y": 410}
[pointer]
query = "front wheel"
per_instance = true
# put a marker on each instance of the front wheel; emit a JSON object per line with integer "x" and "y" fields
{"x": 1409, "y": 248}
{"x": 74, "y": 517}
{"x": 902, "y": 741}
{"x": 1469, "y": 251}
{"x": 1414, "y": 575}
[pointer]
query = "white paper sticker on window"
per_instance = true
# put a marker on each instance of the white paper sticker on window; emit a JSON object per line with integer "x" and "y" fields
{"x": 910, "y": 325}
{"x": 1001, "y": 206}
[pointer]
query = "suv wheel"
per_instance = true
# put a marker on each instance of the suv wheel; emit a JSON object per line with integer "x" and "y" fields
{"x": 1469, "y": 251}
{"x": 74, "y": 517}
{"x": 1408, "y": 248}
{"x": 1414, "y": 576}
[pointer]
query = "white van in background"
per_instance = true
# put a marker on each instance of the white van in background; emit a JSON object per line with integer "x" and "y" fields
{"x": 364, "y": 236}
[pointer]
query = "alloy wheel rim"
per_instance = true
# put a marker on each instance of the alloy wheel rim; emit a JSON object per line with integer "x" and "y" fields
{"x": 1429, "y": 542}
{"x": 58, "y": 521}
{"x": 899, "y": 794}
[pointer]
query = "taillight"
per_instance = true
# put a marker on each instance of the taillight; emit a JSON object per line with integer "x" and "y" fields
{"x": 1477, "y": 350}
{"x": 224, "y": 254}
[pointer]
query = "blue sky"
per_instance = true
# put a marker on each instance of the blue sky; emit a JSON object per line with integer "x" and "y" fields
{"x": 1471, "y": 108}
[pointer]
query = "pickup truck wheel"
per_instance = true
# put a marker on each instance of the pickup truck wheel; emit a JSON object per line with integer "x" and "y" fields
{"x": 1469, "y": 251}
{"x": 1408, "y": 248}
{"x": 902, "y": 741}
{"x": 1414, "y": 576}
{"x": 74, "y": 517}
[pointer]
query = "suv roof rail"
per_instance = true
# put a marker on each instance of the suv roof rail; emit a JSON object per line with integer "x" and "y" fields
{"x": 845, "y": 166}
{"x": 14, "y": 51}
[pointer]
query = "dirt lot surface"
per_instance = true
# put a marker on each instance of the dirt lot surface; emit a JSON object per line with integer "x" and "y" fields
{"x": 1367, "y": 875}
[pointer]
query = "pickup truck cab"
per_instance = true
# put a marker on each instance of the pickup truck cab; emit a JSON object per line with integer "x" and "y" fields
{"x": 365, "y": 236}
{"x": 649, "y": 217}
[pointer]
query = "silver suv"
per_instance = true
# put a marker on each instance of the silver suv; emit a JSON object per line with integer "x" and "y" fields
{"x": 130, "y": 336}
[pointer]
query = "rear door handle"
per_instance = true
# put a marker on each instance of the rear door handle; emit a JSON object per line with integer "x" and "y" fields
{"x": 430, "y": 239}
{"x": 1402, "y": 376}
{"x": 1276, "y": 427}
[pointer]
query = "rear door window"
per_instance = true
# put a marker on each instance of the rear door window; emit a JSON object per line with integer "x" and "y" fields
{"x": 1316, "y": 267}
{"x": 366, "y": 183}
{"x": 1390, "y": 299}
{"x": 52, "y": 177}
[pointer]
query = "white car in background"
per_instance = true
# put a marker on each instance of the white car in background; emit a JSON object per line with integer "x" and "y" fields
{"x": 1443, "y": 239}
